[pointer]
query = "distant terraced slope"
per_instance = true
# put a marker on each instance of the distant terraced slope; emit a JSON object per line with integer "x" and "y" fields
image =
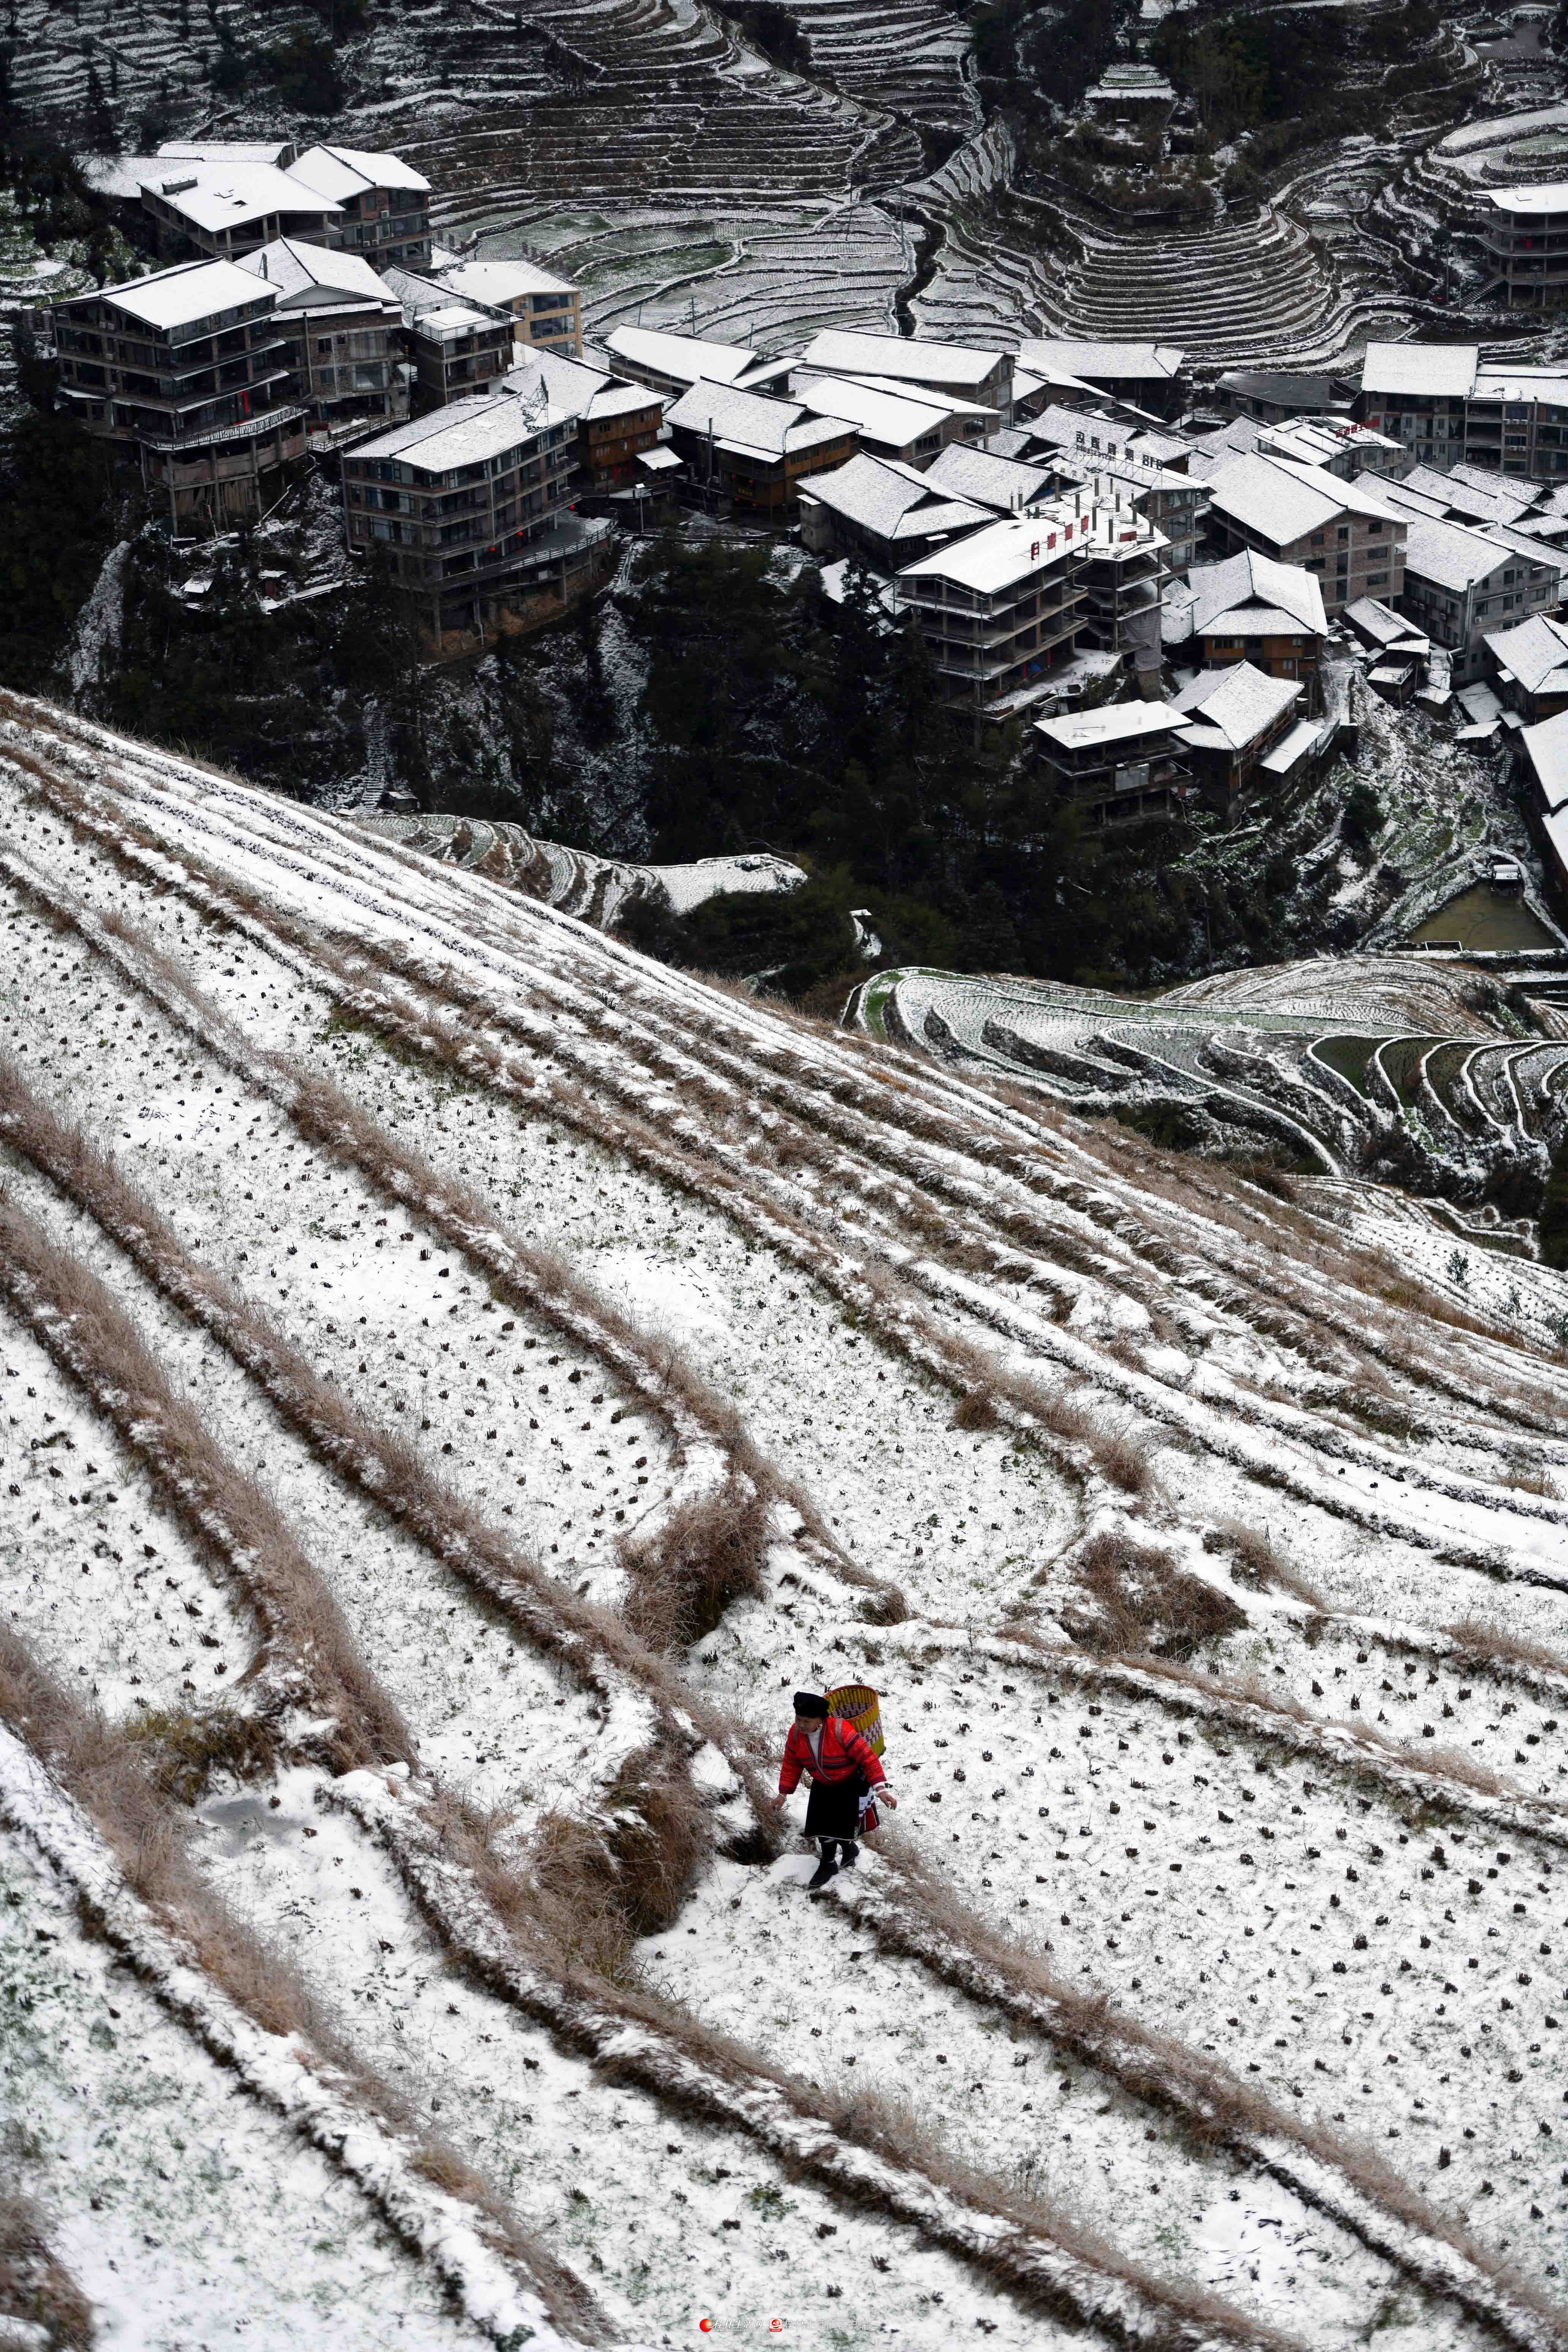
{"x": 596, "y": 890}
{"x": 1433, "y": 1074}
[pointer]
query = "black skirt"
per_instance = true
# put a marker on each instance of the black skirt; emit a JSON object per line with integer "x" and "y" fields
{"x": 833, "y": 1810}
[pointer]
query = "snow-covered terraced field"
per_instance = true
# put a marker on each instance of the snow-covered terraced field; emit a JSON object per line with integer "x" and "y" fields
{"x": 540, "y": 1363}
{"x": 1398, "y": 1064}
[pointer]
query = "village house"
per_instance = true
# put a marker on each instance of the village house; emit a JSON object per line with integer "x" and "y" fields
{"x": 1151, "y": 376}
{"x": 963, "y": 420}
{"x": 1122, "y": 761}
{"x": 617, "y": 422}
{"x": 882, "y": 511}
{"x": 345, "y": 328}
{"x": 1133, "y": 99}
{"x": 1461, "y": 581}
{"x": 1446, "y": 407}
{"x": 465, "y": 501}
{"x": 1528, "y": 665}
{"x": 673, "y": 363}
{"x": 1386, "y": 633}
{"x": 1236, "y": 719}
{"x": 983, "y": 376}
{"x": 1150, "y": 468}
{"x": 891, "y": 425}
{"x": 1524, "y": 234}
{"x": 755, "y": 450}
{"x": 1120, "y": 573}
{"x": 1336, "y": 445}
{"x": 192, "y": 369}
{"x": 546, "y": 311}
{"x": 227, "y": 210}
{"x": 382, "y": 204}
{"x": 1249, "y": 609}
{"x": 1350, "y": 540}
{"x": 1001, "y": 484}
{"x": 458, "y": 347}
{"x": 998, "y": 609}
{"x": 1276, "y": 398}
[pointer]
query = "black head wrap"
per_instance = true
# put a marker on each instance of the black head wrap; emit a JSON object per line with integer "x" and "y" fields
{"x": 810, "y": 1703}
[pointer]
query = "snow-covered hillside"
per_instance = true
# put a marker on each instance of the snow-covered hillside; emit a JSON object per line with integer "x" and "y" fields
{"x": 457, "y": 1378}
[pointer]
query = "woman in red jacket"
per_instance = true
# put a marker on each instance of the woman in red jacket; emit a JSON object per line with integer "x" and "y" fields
{"x": 843, "y": 1770}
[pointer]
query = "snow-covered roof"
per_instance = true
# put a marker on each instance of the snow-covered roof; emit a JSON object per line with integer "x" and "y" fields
{"x": 1250, "y": 592}
{"x": 991, "y": 481}
{"x": 1442, "y": 371}
{"x": 1450, "y": 555}
{"x": 891, "y": 501}
{"x": 1412, "y": 502}
{"x": 1293, "y": 746}
{"x": 752, "y": 422}
{"x": 1316, "y": 440}
{"x": 1109, "y": 723}
{"x": 1534, "y": 550}
{"x": 1552, "y": 196}
{"x": 1535, "y": 652}
{"x": 1550, "y": 384}
{"x": 900, "y": 359}
{"x": 229, "y": 150}
{"x": 192, "y": 290}
{"x": 295, "y": 269}
{"x": 574, "y": 386}
{"x": 1380, "y": 624}
{"x": 1483, "y": 477}
{"x": 1237, "y": 705}
{"x": 1281, "y": 388}
{"x": 660, "y": 460}
{"x": 1139, "y": 362}
{"x": 344, "y": 171}
{"x": 501, "y": 283}
{"x": 464, "y": 433}
{"x": 687, "y": 358}
{"x": 1546, "y": 749}
{"x": 1493, "y": 502}
{"x": 1005, "y": 552}
{"x": 230, "y": 195}
{"x": 1284, "y": 500}
{"x": 929, "y": 395}
{"x": 889, "y": 417}
{"x": 123, "y": 175}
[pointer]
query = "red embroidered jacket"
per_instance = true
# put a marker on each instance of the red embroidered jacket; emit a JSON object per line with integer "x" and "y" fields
{"x": 842, "y": 1752}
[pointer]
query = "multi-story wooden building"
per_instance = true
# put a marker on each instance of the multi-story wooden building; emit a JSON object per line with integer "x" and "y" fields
{"x": 983, "y": 376}
{"x": 458, "y": 347}
{"x": 617, "y": 422}
{"x": 1352, "y": 541}
{"x": 997, "y": 610}
{"x": 382, "y": 204}
{"x": 1462, "y": 583}
{"x": 345, "y": 328}
{"x": 1236, "y": 719}
{"x": 1122, "y": 761}
{"x": 1249, "y": 609}
{"x": 225, "y": 210}
{"x": 1448, "y": 409}
{"x": 191, "y": 369}
{"x": 546, "y": 311}
{"x": 465, "y": 501}
{"x": 755, "y": 450}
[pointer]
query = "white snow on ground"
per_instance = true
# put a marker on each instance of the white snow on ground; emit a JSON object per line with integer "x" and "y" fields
{"x": 180, "y": 2205}
{"x": 92, "y": 1571}
{"x": 1271, "y": 1890}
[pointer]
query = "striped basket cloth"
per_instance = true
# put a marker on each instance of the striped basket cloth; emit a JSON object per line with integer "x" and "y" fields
{"x": 858, "y": 1704}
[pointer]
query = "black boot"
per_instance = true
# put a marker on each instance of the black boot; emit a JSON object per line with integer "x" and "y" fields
{"x": 825, "y": 1869}
{"x": 848, "y": 1855}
